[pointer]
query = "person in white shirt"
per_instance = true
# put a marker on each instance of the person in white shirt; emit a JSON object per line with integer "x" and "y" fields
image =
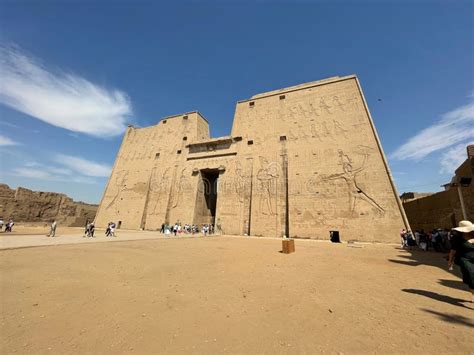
{"x": 52, "y": 232}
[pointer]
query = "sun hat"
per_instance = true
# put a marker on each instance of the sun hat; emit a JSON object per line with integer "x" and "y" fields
{"x": 465, "y": 227}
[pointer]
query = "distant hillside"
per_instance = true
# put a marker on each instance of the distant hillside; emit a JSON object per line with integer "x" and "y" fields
{"x": 23, "y": 205}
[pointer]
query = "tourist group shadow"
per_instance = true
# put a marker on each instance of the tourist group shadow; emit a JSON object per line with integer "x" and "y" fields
{"x": 439, "y": 297}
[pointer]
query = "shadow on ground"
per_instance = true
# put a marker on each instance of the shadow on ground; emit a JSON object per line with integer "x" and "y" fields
{"x": 414, "y": 258}
{"x": 452, "y": 318}
{"x": 439, "y": 297}
{"x": 439, "y": 260}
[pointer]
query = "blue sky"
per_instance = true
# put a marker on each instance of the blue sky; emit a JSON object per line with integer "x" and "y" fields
{"x": 73, "y": 74}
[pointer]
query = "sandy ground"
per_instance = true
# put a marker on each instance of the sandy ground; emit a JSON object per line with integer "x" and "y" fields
{"x": 33, "y": 237}
{"x": 230, "y": 295}
{"x": 39, "y": 229}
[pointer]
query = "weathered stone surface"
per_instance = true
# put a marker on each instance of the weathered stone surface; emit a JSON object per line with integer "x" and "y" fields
{"x": 300, "y": 161}
{"x": 23, "y": 205}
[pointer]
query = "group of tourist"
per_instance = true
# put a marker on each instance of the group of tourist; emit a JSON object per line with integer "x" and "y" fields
{"x": 90, "y": 229}
{"x": 458, "y": 241}
{"x": 110, "y": 230}
{"x": 437, "y": 239}
{"x": 8, "y": 226}
{"x": 177, "y": 228}
{"x": 462, "y": 252}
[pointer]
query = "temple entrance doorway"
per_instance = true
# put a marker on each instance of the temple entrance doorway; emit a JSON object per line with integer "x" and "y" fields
{"x": 206, "y": 201}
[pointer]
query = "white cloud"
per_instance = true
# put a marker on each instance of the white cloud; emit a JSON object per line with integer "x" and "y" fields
{"x": 61, "y": 99}
{"x": 454, "y": 127}
{"x": 452, "y": 158}
{"x": 43, "y": 172}
{"x": 7, "y": 141}
{"x": 83, "y": 166}
{"x": 33, "y": 173}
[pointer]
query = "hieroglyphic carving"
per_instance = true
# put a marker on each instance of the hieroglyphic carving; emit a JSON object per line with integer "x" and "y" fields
{"x": 337, "y": 102}
{"x": 268, "y": 178}
{"x": 349, "y": 175}
{"x": 323, "y": 106}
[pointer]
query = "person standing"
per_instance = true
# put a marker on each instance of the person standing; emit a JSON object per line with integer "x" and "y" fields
{"x": 52, "y": 232}
{"x": 462, "y": 253}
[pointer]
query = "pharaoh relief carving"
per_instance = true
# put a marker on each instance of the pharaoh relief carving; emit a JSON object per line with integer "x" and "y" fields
{"x": 268, "y": 179}
{"x": 181, "y": 187}
{"x": 159, "y": 185}
{"x": 239, "y": 182}
{"x": 349, "y": 175}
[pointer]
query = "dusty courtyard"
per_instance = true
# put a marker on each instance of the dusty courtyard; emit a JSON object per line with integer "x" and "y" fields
{"x": 230, "y": 294}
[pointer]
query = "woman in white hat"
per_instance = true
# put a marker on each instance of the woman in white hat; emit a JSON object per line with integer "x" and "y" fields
{"x": 462, "y": 252}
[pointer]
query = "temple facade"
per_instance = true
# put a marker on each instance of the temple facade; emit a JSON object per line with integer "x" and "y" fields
{"x": 299, "y": 162}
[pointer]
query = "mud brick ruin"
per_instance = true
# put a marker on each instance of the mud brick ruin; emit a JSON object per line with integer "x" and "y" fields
{"x": 300, "y": 161}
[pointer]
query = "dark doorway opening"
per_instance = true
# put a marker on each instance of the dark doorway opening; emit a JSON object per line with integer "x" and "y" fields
{"x": 206, "y": 202}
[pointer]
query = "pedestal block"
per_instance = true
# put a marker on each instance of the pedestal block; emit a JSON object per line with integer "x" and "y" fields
{"x": 288, "y": 246}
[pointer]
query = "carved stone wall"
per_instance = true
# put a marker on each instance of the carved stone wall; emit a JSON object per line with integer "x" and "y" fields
{"x": 302, "y": 160}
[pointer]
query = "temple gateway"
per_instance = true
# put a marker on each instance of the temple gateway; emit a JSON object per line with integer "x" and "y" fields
{"x": 300, "y": 162}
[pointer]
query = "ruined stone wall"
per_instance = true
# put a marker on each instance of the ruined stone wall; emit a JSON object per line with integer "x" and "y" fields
{"x": 23, "y": 205}
{"x": 443, "y": 209}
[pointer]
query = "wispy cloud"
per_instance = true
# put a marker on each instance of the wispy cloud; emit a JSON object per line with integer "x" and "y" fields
{"x": 43, "y": 172}
{"x": 9, "y": 124}
{"x": 65, "y": 168}
{"x": 7, "y": 141}
{"x": 61, "y": 99}
{"x": 454, "y": 127}
{"x": 453, "y": 157}
{"x": 83, "y": 166}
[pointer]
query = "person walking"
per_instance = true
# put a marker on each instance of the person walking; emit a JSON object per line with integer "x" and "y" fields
{"x": 52, "y": 232}
{"x": 112, "y": 229}
{"x": 462, "y": 253}
{"x": 9, "y": 226}
{"x": 107, "y": 231}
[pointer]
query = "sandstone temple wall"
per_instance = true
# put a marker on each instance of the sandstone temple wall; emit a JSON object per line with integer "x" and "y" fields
{"x": 302, "y": 161}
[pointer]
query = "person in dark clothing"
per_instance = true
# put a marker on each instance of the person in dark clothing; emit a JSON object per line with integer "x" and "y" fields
{"x": 462, "y": 252}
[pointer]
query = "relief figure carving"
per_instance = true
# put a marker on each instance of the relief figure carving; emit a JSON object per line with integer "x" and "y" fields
{"x": 268, "y": 177}
{"x": 349, "y": 175}
{"x": 158, "y": 188}
{"x": 182, "y": 186}
{"x": 120, "y": 183}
